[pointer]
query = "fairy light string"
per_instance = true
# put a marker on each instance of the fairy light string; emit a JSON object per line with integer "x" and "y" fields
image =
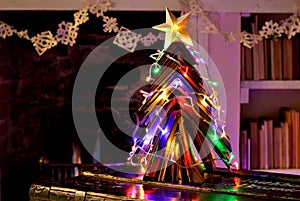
{"x": 173, "y": 75}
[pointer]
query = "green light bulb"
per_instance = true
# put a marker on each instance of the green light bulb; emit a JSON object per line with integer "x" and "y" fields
{"x": 215, "y": 84}
{"x": 156, "y": 69}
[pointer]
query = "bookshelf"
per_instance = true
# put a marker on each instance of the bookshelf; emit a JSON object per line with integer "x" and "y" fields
{"x": 270, "y": 102}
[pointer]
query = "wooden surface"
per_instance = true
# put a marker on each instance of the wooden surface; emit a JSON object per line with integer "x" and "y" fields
{"x": 238, "y": 186}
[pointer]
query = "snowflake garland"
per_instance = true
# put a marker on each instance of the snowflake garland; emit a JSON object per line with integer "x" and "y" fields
{"x": 67, "y": 32}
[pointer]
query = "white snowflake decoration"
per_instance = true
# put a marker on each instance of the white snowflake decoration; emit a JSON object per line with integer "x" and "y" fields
{"x": 110, "y": 24}
{"x": 67, "y": 33}
{"x": 249, "y": 40}
{"x": 5, "y": 30}
{"x": 127, "y": 39}
{"x": 287, "y": 23}
{"x": 99, "y": 7}
{"x": 43, "y": 41}
{"x": 193, "y": 6}
{"x": 23, "y": 34}
{"x": 271, "y": 29}
{"x": 148, "y": 40}
{"x": 211, "y": 28}
{"x": 81, "y": 16}
{"x": 294, "y": 27}
{"x": 229, "y": 37}
{"x": 161, "y": 36}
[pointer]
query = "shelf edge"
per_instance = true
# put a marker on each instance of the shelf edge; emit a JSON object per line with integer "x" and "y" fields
{"x": 271, "y": 84}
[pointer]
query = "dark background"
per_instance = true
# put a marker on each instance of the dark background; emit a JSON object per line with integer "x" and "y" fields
{"x": 35, "y": 93}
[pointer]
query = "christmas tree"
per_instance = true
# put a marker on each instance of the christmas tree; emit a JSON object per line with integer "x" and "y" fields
{"x": 180, "y": 115}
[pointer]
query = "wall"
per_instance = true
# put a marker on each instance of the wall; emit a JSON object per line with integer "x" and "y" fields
{"x": 227, "y": 58}
{"x": 35, "y": 102}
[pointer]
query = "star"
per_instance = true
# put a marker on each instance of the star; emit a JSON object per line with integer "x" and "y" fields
{"x": 175, "y": 28}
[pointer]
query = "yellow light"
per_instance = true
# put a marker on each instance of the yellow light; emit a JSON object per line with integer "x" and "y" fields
{"x": 223, "y": 134}
{"x": 164, "y": 95}
{"x": 143, "y": 170}
{"x": 236, "y": 164}
{"x": 148, "y": 79}
{"x": 186, "y": 70}
{"x": 203, "y": 102}
{"x": 176, "y": 27}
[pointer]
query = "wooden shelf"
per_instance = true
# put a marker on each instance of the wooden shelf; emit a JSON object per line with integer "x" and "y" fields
{"x": 282, "y": 171}
{"x": 271, "y": 84}
{"x": 266, "y": 85}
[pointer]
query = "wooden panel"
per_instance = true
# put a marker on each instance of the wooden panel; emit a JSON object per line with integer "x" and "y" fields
{"x": 155, "y": 5}
{"x": 258, "y": 6}
{"x": 267, "y": 84}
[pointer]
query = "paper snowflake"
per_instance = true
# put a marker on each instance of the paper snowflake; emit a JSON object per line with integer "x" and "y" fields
{"x": 211, "y": 28}
{"x": 271, "y": 29}
{"x": 110, "y": 24}
{"x": 249, "y": 40}
{"x": 66, "y": 33}
{"x": 81, "y": 16}
{"x": 43, "y": 41}
{"x": 5, "y": 30}
{"x": 194, "y": 6}
{"x": 98, "y": 7}
{"x": 286, "y": 24}
{"x": 148, "y": 40}
{"x": 229, "y": 37}
{"x": 294, "y": 27}
{"x": 23, "y": 34}
{"x": 161, "y": 36}
{"x": 127, "y": 39}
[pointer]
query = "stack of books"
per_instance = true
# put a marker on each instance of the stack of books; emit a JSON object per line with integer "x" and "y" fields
{"x": 272, "y": 58}
{"x": 266, "y": 143}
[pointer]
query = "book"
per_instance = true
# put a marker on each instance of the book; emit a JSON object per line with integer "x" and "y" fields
{"x": 256, "y": 54}
{"x": 277, "y": 140}
{"x": 291, "y": 116}
{"x": 267, "y": 123}
{"x": 261, "y": 61}
{"x": 248, "y": 63}
{"x": 252, "y": 126}
{"x": 276, "y": 59}
{"x": 287, "y": 56}
{"x": 244, "y": 150}
{"x": 267, "y": 59}
{"x": 294, "y": 136}
{"x": 262, "y": 147}
{"x": 296, "y": 56}
{"x": 285, "y": 145}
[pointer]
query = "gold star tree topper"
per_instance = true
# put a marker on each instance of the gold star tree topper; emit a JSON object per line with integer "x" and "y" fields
{"x": 175, "y": 28}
